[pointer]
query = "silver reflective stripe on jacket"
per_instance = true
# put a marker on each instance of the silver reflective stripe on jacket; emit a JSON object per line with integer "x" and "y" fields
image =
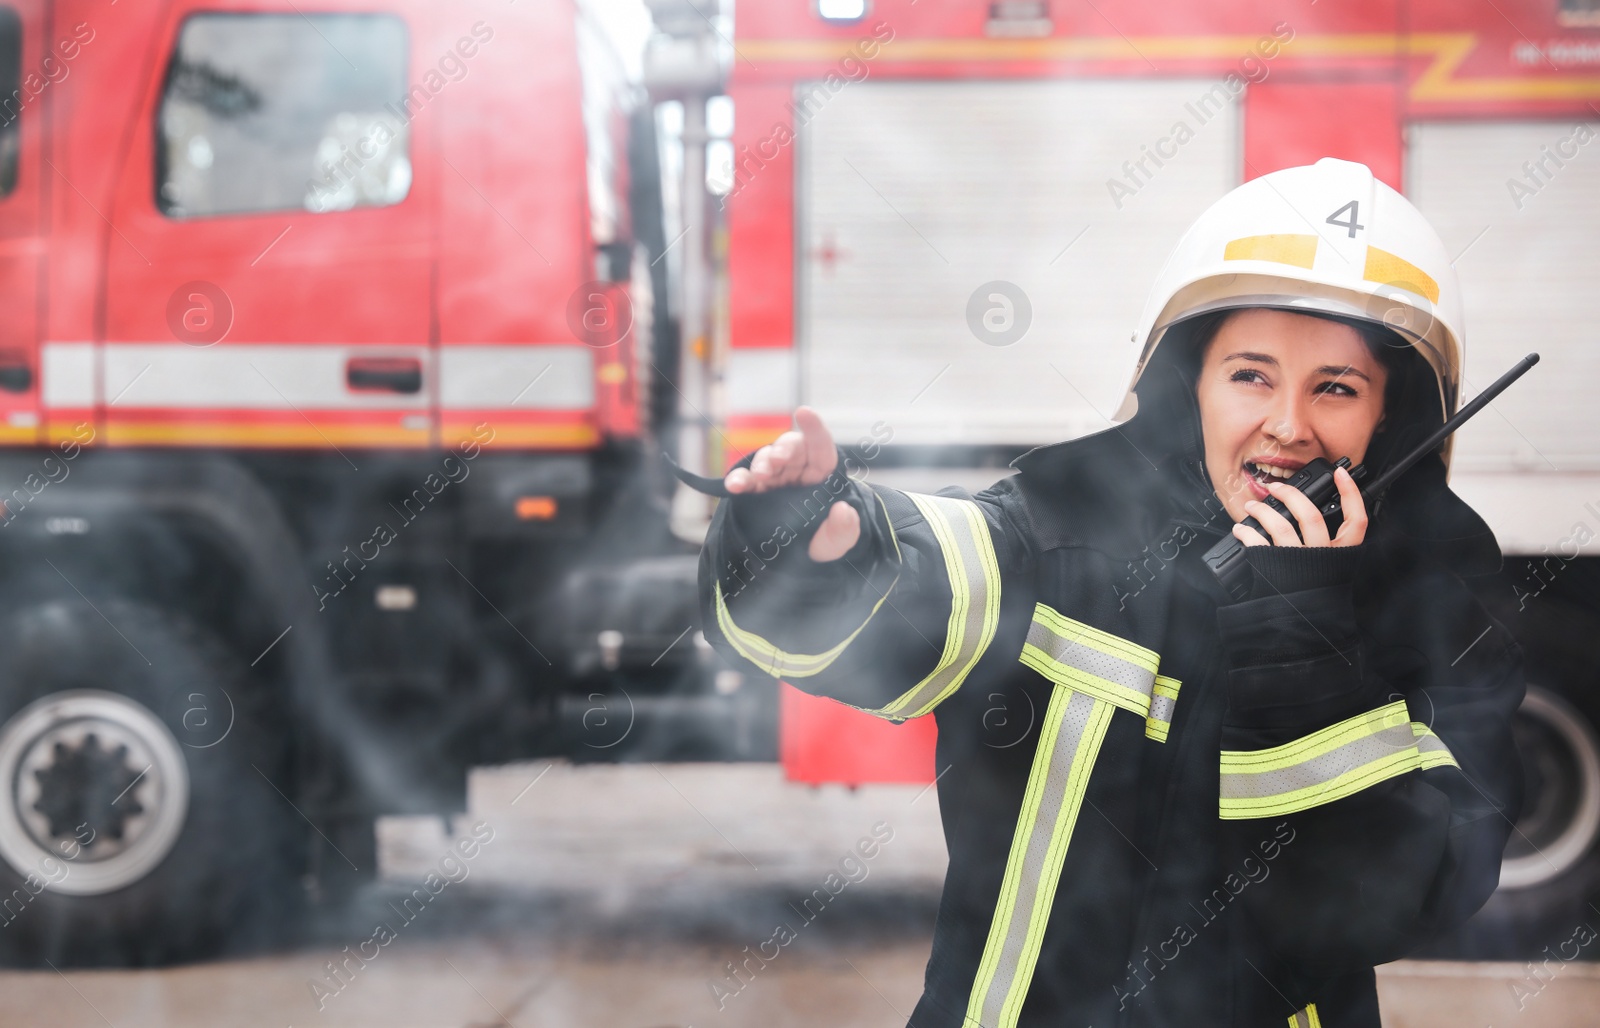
{"x": 1097, "y": 663}
{"x": 974, "y": 573}
{"x": 1095, "y": 673}
{"x": 1074, "y": 726}
{"x": 1329, "y": 764}
{"x": 1163, "y": 704}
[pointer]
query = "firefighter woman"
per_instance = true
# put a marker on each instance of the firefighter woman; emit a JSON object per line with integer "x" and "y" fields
{"x": 1204, "y": 811}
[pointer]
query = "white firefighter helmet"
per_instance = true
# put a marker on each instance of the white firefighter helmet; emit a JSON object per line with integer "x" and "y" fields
{"x": 1324, "y": 237}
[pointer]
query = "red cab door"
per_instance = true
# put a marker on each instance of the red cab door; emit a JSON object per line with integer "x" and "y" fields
{"x": 27, "y": 67}
{"x": 277, "y": 204}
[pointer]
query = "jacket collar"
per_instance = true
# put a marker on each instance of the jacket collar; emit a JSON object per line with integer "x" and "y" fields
{"x": 1107, "y": 492}
{"x": 1101, "y": 491}
{"x": 1422, "y": 522}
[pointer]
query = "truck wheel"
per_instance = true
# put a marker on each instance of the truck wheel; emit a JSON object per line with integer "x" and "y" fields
{"x": 1551, "y": 870}
{"x": 137, "y": 825}
{"x": 1561, "y": 814}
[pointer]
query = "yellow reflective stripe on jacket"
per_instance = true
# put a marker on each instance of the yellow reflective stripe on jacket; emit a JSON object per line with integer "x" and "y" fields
{"x": 1069, "y": 740}
{"x": 974, "y": 572}
{"x": 1163, "y": 702}
{"x": 1088, "y": 660}
{"x": 1431, "y": 750}
{"x": 779, "y": 663}
{"x": 1327, "y": 765}
{"x": 1306, "y": 1018}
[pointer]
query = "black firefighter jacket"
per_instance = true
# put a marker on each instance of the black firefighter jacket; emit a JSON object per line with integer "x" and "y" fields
{"x": 1162, "y": 808}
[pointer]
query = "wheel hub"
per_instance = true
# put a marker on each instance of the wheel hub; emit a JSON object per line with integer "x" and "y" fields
{"x": 87, "y": 792}
{"x": 92, "y": 779}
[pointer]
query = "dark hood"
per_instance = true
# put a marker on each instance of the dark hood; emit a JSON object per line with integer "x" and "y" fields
{"x": 1123, "y": 489}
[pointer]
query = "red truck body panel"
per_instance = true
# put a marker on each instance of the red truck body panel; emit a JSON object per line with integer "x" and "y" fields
{"x": 1346, "y": 85}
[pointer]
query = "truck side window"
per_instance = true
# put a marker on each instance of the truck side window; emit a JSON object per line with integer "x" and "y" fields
{"x": 272, "y": 112}
{"x": 11, "y": 97}
{"x": 1580, "y": 13}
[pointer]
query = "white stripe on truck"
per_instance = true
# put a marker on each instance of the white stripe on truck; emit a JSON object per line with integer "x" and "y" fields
{"x": 516, "y": 377}
{"x": 284, "y": 376}
{"x": 66, "y": 375}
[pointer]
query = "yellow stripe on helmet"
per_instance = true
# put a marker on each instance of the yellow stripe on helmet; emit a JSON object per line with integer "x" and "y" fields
{"x": 1289, "y": 248}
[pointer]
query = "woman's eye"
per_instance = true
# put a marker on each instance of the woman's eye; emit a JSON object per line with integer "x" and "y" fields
{"x": 1250, "y": 376}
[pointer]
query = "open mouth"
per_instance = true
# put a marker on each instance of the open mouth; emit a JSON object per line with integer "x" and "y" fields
{"x": 1265, "y": 473}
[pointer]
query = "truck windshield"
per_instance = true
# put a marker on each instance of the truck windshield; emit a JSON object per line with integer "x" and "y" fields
{"x": 269, "y": 112}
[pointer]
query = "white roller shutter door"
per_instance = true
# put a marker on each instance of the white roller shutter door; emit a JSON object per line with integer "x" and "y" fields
{"x": 911, "y": 195}
{"x": 1528, "y": 275}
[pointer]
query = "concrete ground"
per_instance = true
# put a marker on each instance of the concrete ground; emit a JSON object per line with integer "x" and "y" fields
{"x": 614, "y": 897}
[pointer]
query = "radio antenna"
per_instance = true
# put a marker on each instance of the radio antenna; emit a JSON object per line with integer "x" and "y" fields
{"x": 1383, "y": 481}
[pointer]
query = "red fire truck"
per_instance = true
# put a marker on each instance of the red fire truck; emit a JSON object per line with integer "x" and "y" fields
{"x": 942, "y": 220}
{"x": 329, "y": 365}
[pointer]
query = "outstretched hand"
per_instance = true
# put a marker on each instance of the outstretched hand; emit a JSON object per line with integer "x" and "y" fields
{"x": 802, "y": 456}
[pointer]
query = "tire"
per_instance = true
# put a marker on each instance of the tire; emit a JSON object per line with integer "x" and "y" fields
{"x": 1560, "y": 821}
{"x": 138, "y": 825}
{"x": 1550, "y": 874}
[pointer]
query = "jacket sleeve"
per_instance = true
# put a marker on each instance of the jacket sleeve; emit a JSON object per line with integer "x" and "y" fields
{"x": 1381, "y": 751}
{"x": 895, "y": 625}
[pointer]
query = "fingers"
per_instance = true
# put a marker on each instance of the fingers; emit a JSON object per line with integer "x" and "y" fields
{"x": 817, "y": 442}
{"x": 1276, "y": 524}
{"x": 778, "y": 463}
{"x": 1312, "y": 524}
{"x": 804, "y": 455}
{"x": 781, "y": 461}
{"x": 1351, "y": 532}
{"x": 837, "y": 534}
{"x": 1354, "y": 529}
{"x": 1248, "y": 535}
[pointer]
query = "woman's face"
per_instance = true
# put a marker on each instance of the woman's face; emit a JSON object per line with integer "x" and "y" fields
{"x": 1278, "y": 389}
